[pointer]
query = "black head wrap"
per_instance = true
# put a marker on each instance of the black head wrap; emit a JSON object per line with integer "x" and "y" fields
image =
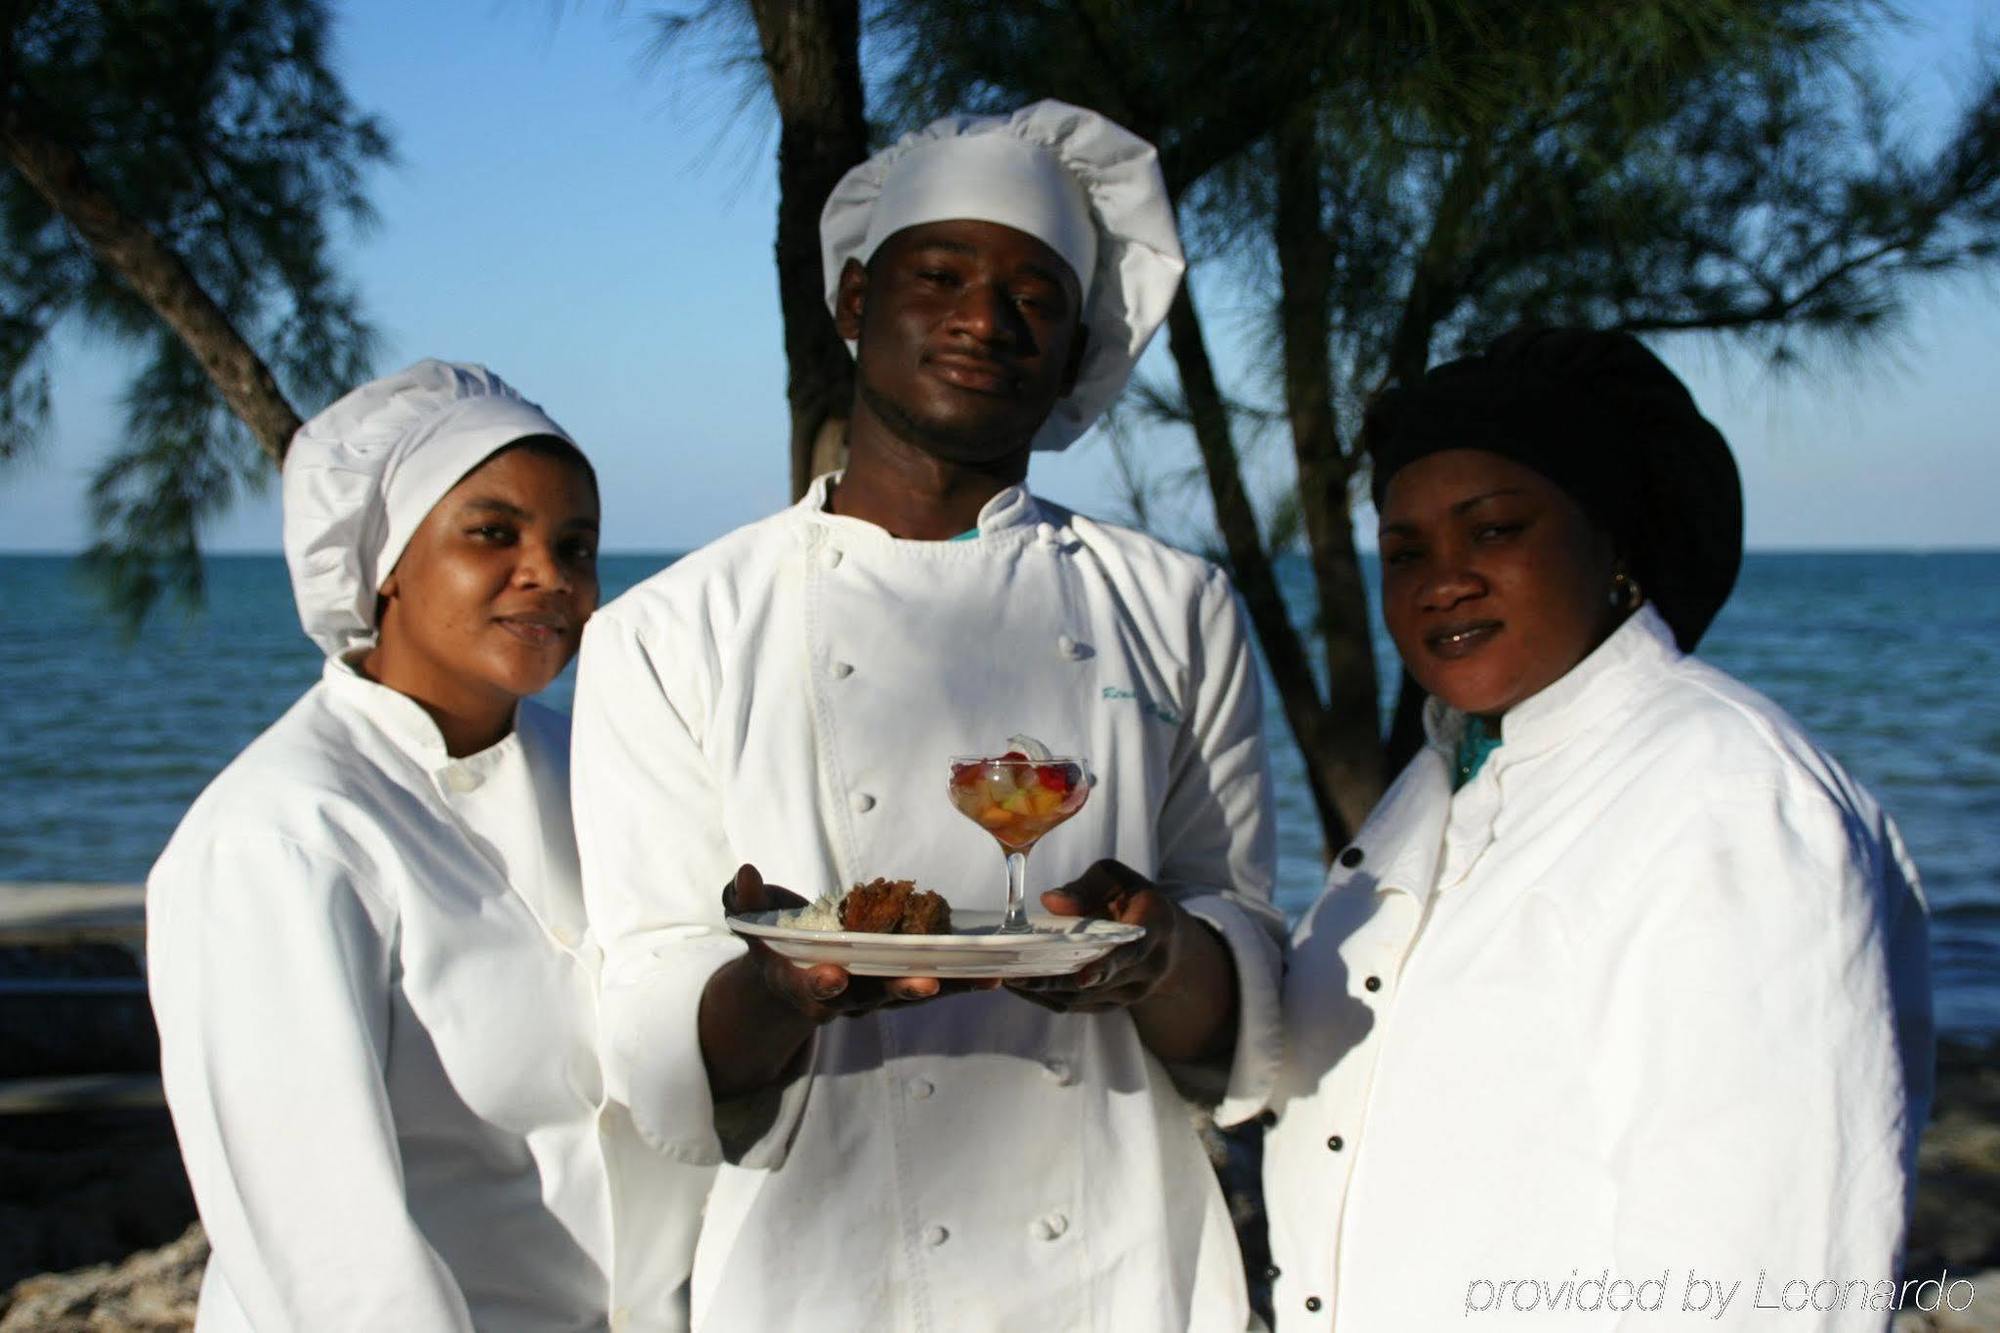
{"x": 1603, "y": 418}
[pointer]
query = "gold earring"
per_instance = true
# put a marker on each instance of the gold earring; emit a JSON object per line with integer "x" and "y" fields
{"x": 1626, "y": 594}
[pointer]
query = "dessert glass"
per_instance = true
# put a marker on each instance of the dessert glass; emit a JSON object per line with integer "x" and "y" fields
{"x": 1017, "y": 800}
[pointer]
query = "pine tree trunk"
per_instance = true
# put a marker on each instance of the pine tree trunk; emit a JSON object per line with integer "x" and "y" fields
{"x": 812, "y": 54}
{"x": 1439, "y": 283}
{"x": 1284, "y": 651}
{"x": 156, "y": 273}
{"x": 1350, "y": 736}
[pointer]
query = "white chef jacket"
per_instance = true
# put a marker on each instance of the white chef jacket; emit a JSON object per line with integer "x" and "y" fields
{"x": 377, "y": 1009}
{"x": 1646, "y": 1000}
{"x": 790, "y": 696}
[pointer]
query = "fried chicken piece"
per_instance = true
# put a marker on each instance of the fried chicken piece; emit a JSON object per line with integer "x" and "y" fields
{"x": 926, "y": 913}
{"x": 894, "y": 907}
{"x": 875, "y": 907}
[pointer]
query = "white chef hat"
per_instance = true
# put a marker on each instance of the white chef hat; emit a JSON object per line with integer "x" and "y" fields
{"x": 361, "y": 476}
{"x": 1083, "y": 186}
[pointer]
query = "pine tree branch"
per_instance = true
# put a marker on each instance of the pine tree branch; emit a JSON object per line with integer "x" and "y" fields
{"x": 159, "y": 277}
{"x": 1779, "y": 306}
{"x": 1439, "y": 278}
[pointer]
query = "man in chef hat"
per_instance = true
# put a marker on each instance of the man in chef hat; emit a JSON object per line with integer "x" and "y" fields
{"x": 779, "y": 708}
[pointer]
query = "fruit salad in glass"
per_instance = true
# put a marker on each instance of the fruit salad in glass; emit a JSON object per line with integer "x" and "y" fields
{"x": 1017, "y": 796}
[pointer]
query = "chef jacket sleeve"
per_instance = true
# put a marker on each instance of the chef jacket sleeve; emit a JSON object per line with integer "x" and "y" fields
{"x": 649, "y": 831}
{"x": 1763, "y": 1047}
{"x": 1217, "y": 839}
{"x": 269, "y": 970}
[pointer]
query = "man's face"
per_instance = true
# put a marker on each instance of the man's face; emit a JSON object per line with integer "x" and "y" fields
{"x": 968, "y": 334}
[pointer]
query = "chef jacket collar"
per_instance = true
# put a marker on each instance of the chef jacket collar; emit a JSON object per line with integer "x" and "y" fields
{"x": 1593, "y": 691}
{"x": 1012, "y": 510}
{"x": 1413, "y": 815}
{"x": 406, "y": 724}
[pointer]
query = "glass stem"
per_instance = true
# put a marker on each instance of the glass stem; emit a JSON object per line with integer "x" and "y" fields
{"x": 1016, "y": 922}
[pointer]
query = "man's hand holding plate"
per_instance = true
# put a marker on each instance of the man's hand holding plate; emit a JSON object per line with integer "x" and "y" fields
{"x": 1112, "y": 891}
{"x": 1179, "y": 981}
{"x": 824, "y": 991}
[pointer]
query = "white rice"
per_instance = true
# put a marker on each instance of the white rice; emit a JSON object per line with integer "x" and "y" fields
{"x": 821, "y": 914}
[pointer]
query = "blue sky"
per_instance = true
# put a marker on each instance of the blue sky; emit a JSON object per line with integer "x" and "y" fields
{"x": 598, "y": 235}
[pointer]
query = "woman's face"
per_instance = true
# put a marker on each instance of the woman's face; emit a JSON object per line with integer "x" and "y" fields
{"x": 486, "y": 604}
{"x": 1494, "y": 583}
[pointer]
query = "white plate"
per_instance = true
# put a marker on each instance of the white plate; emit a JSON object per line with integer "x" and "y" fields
{"x": 1058, "y": 945}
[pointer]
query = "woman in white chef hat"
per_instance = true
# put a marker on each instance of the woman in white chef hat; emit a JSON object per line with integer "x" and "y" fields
{"x": 366, "y": 943}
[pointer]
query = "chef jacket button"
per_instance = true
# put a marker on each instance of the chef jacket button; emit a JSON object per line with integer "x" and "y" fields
{"x": 1052, "y": 1226}
{"x": 1058, "y": 1072}
{"x": 1270, "y": 1272}
{"x": 461, "y": 780}
{"x": 841, "y": 670}
{"x": 1267, "y": 1118}
{"x": 1312, "y": 1305}
{"x": 935, "y": 1236}
{"x": 565, "y": 936}
{"x": 1351, "y": 857}
{"x": 830, "y": 557}
{"x": 1336, "y": 1143}
{"x": 862, "y": 802}
{"x": 1045, "y": 533}
{"x": 1373, "y": 983}
{"x": 921, "y": 1088}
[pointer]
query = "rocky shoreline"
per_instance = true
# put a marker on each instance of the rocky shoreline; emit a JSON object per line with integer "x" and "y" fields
{"x": 80, "y": 1193}
{"x": 1955, "y": 1223}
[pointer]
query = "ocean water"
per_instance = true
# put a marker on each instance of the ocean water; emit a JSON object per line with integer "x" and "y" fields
{"x": 1891, "y": 661}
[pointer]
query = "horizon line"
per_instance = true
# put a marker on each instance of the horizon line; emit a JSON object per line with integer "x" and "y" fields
{"x": 1946, "y": 548}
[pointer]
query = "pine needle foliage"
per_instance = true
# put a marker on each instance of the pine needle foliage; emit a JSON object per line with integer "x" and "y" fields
{"x": 1395, "y": 181}
{"x": 220, "y": 128}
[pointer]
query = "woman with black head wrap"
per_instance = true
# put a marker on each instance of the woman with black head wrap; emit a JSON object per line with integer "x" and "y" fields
{"x": 1620, "y": 998}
